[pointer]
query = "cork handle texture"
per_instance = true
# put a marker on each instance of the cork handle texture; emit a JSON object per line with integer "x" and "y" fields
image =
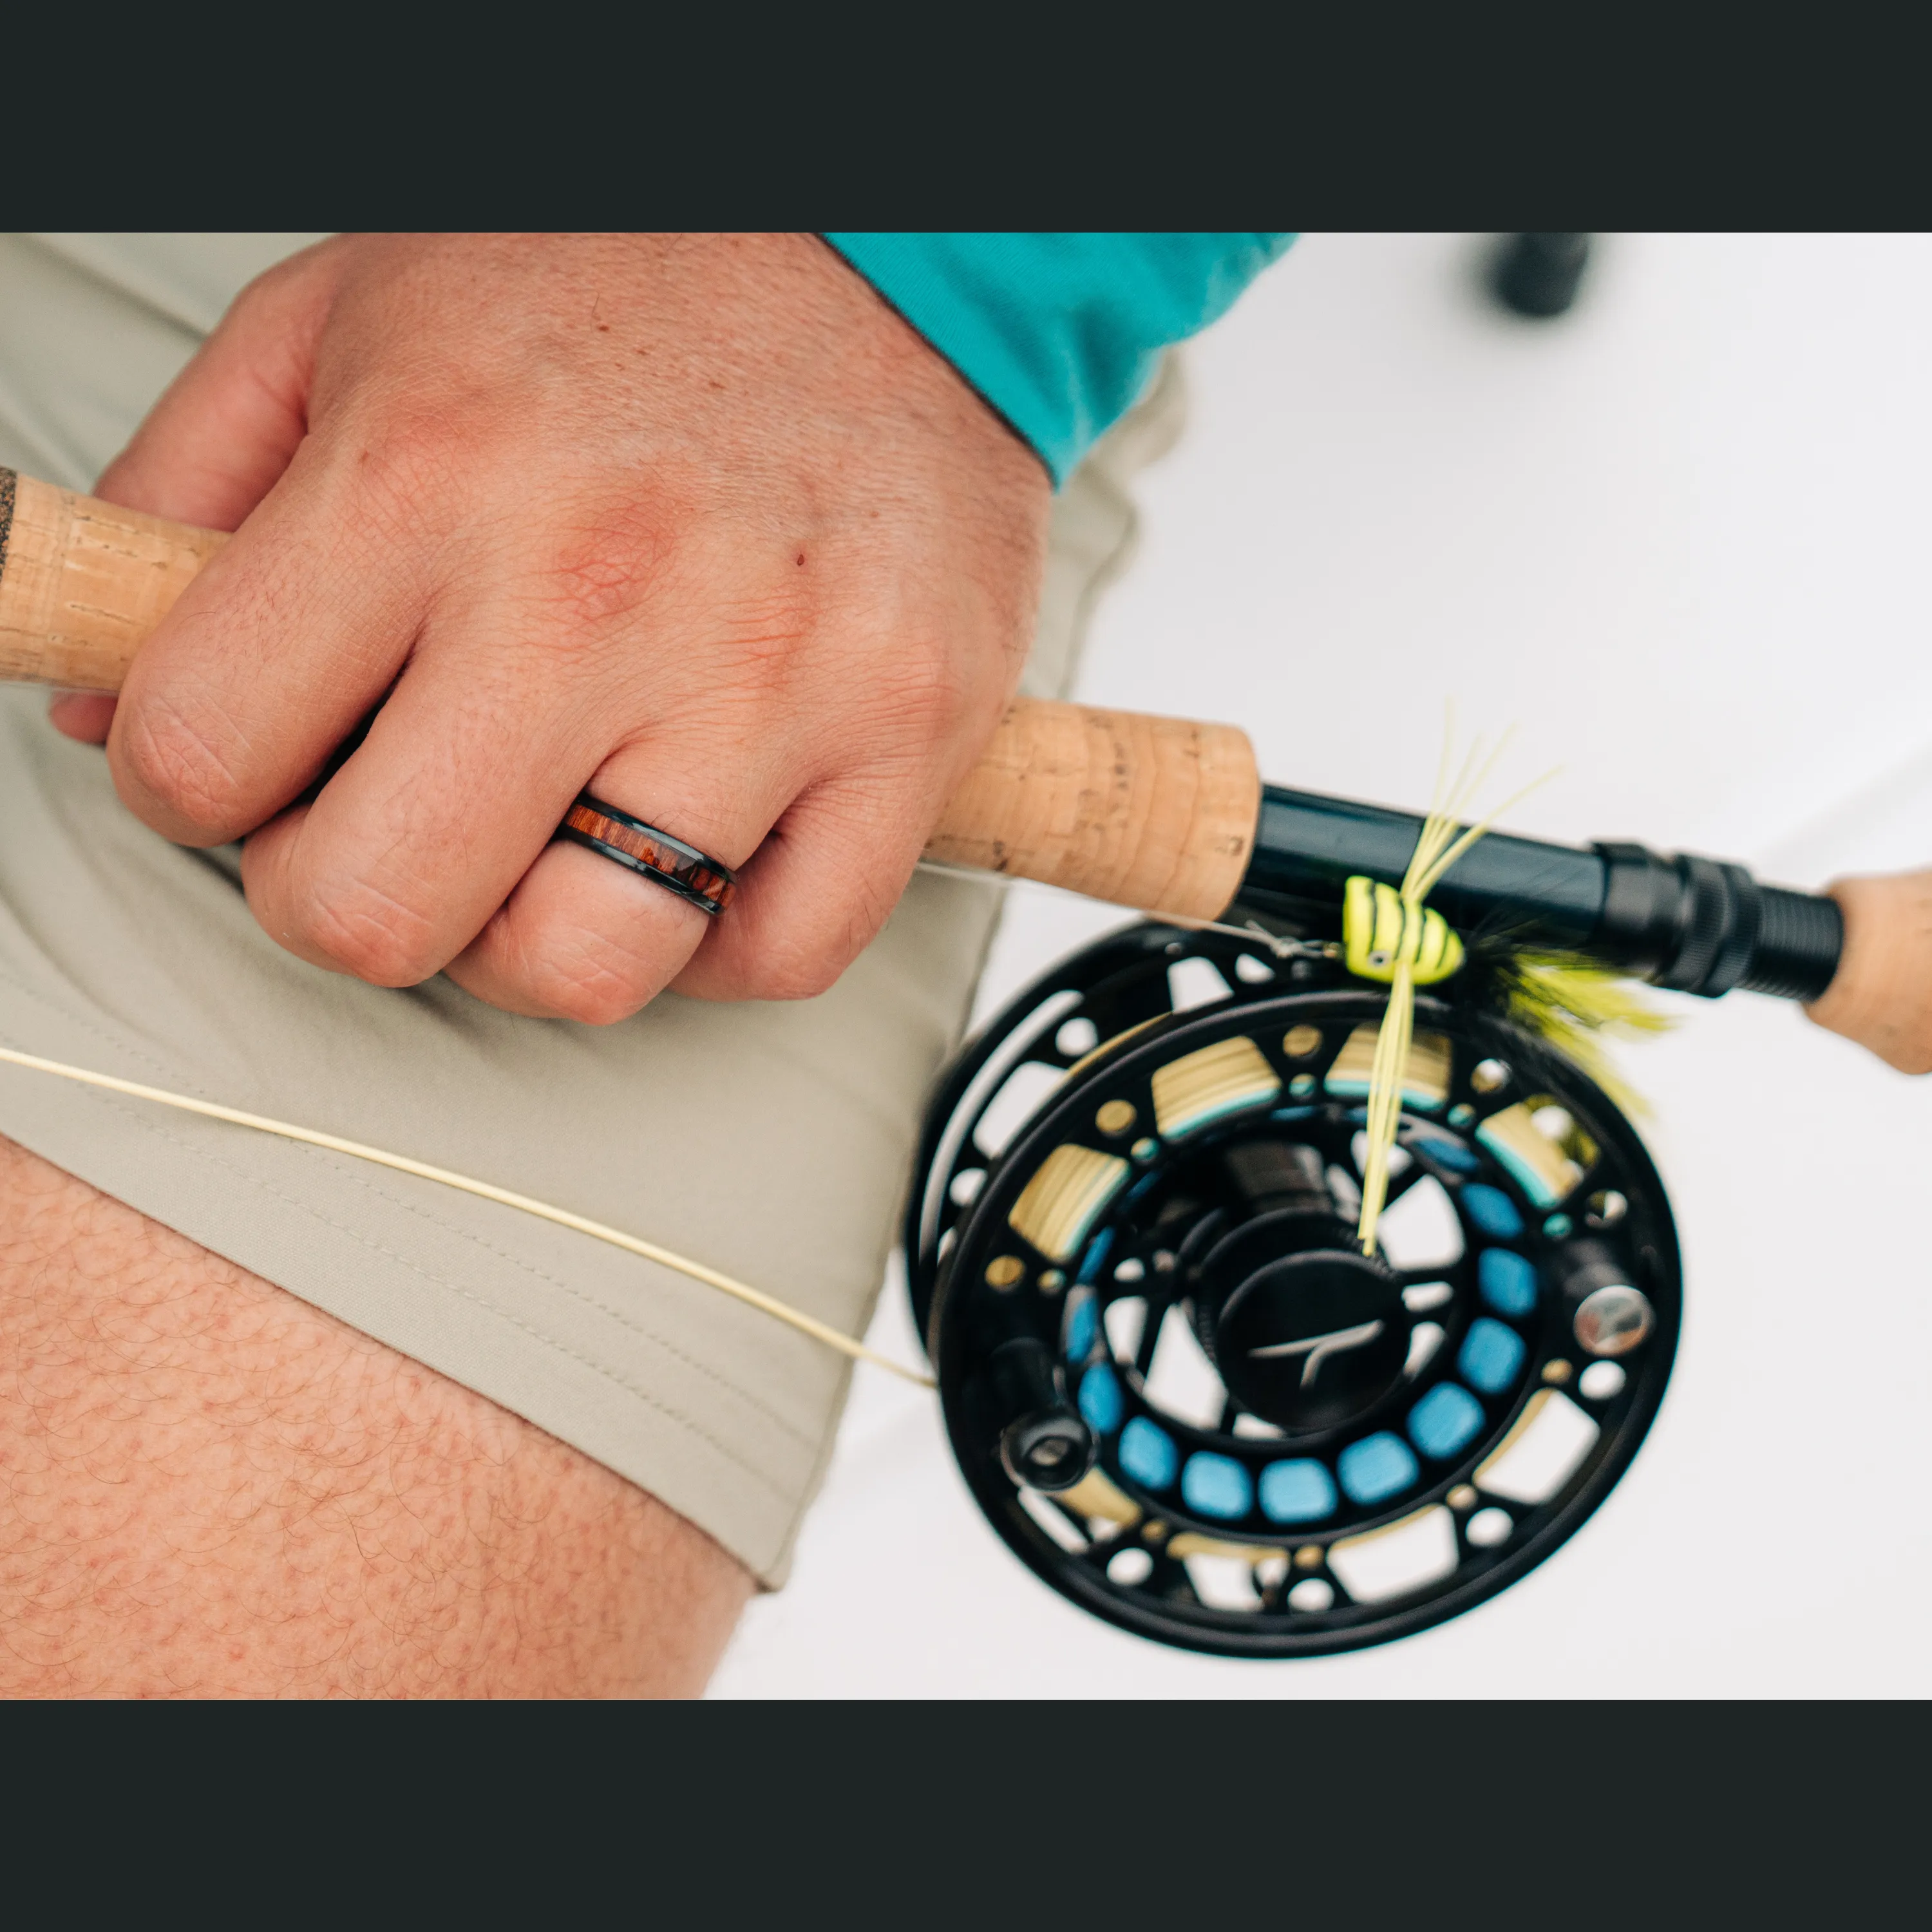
{"x": 1155, "y": 813}
{"x": 83, "y": 582}
{"x": 1881, "y": 995}
{"x": 1150, "y": 812}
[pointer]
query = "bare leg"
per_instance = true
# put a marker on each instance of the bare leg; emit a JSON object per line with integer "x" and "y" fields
{"x": 208, "y": 1488}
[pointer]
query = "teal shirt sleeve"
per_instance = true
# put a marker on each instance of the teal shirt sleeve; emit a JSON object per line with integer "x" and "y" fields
{"x": 1060, "y": 333}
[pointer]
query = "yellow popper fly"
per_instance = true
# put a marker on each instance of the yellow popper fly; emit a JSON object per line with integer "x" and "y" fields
{"x": 1379, "y": 930}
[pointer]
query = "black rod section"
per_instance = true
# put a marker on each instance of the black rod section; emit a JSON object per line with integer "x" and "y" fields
{"x": 1700, "y": 925}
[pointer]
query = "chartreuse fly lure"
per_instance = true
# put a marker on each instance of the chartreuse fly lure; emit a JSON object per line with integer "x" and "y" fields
{"x": 1390, "y": 935}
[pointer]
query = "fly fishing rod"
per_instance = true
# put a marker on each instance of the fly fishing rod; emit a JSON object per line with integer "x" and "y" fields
{"x": 1162, "y": 815}
{"x": 1180, "y": 1387}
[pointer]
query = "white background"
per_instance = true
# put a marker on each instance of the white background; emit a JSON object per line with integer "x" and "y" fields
{"x": 1678, "y": 537}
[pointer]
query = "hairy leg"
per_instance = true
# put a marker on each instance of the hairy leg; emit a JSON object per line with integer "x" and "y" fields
{"x": 208, "y": 1488}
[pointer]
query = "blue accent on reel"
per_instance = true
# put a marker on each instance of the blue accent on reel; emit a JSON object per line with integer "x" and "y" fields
{"x": 1508, "y": 1281}
{"x": 1451, "y": 1154}
{"x": 1301, "y": 1491}
{"x": 1101, "y": 1402}
{"x": 1083, "y": 1326}
{"x": 1091, "y": 1262}
{"x": 1491, "y": 1355}
{"x": 1216, "y": 1486}
{"x": 1376, "y": 1467}
{"x": 1148, "y": 1454}
{"x": 1444, "y": 1421}
{"x": 1492, "y": 1211}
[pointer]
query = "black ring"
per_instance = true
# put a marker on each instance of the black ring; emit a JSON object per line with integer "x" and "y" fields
{"x": 665, "y": 861}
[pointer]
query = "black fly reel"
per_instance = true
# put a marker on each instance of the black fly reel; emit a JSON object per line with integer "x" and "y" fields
{"x": 1178, "y": 1387}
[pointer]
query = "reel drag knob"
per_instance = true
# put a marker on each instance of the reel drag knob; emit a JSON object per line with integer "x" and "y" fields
{"x": 1044, "y": 1442}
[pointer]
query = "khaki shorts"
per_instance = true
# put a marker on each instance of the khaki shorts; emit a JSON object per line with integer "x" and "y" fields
{"x": 769, "y": 1141}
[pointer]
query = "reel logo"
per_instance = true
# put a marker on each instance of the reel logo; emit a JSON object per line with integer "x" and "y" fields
{"x": 1317, "y": 1349}
{"x": 1311, "y": 1341}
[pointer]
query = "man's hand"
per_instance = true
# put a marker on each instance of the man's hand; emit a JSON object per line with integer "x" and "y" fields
{"x": 695, "y": 523}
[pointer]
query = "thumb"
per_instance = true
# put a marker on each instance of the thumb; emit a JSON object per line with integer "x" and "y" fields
{"x": 223, "y": 431}
{"x": 226, "y": 427}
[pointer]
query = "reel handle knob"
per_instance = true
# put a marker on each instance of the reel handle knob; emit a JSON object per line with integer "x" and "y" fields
{"x": 1044, "y": 1442}
{"x": 1881, "y": 995}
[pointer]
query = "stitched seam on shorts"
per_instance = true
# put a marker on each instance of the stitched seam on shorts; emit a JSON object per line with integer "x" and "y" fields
{"x": 361, "y": 1179}
{"x": 468, "y": 1294}
{"x": 167, "y": 1069}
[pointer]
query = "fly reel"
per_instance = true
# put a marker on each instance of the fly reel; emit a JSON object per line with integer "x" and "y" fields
{"x": 1176, "y": 1385}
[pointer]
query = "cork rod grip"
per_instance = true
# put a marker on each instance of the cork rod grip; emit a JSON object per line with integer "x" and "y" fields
{"x": 1151, "y": 812}
{"x": 1156, "y": 813}
{"x": 1881, "y": 995}
{"x": 83, "y": 582}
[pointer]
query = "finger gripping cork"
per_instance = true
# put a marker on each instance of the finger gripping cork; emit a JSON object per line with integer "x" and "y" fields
{"x": 1156, "y": 813}
{"x": 83, "y": 582}
{"x": 1881, "y": 995}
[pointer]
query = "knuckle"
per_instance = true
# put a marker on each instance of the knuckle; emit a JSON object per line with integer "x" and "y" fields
{"x": 577, "y": 978}
{"x": 804, "y": 980}
{"x": 754, "y": 634}
{"x": 601, "y": 562}
{"x": 606, "y": 555}
{"x": 795, "y": 973}
{"x": 931, "y": 694}
{"x": 364, "y": 932}
{"x": 589, "y": 1003}
{"x": 183, "y": 765}
{"x": 406, "y": 459}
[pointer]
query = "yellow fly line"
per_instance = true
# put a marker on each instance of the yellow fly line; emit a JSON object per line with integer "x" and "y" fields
{"x": 1415, "y": 945}
{"x": 484, "y": 1190}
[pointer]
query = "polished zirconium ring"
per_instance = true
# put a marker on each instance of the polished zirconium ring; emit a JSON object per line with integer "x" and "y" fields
{"x": 664, "y": 860}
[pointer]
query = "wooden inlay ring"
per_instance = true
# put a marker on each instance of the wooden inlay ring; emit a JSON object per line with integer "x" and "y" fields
{"x": 665, "y": 861}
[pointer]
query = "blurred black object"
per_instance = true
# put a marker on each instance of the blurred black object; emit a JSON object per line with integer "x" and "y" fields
{"x": 1538, "y": 275}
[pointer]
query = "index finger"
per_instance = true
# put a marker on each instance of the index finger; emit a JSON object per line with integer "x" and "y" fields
{"x": 267, "y": 662}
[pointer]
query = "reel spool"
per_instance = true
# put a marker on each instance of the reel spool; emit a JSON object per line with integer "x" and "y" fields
{"x": 1176, "y": 1386}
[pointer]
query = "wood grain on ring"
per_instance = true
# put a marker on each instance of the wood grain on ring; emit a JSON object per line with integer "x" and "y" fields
{"x": 690, "y": 868}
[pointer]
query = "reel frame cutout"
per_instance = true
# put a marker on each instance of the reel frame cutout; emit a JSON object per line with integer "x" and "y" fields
{"x": 1025, "y": 1234}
